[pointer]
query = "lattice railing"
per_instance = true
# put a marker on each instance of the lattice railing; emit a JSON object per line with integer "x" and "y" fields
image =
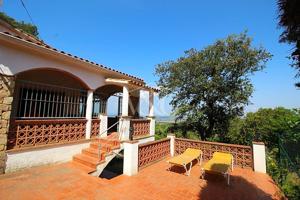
{"x": 140, "y": 127}
{"x": 242, "y": 155}
{"x": 153, "y": 151}
{"x": 29, "y": 133}
{"x": 95, "y": 127}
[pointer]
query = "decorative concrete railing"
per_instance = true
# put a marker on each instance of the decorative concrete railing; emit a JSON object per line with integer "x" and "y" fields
{"x": 139, "y": 127}
{"x": 95, "y": 127}
{"x": 29, "y": 133}
{"x": 151, "y": 152}
{"x": 242, "y": 155}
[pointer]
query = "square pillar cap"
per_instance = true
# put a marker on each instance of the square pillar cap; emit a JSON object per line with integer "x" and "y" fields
{"x": 131, "y": 141}
{"x": 258, "y": 143}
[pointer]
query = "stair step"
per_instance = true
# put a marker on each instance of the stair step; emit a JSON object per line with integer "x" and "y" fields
{"x": 94, "y": 153}
{"x": 107, "y": 141}
{"x": 104, "y": 147}
{"x": 116, "y": 147}
{"x": 87, "y": 160}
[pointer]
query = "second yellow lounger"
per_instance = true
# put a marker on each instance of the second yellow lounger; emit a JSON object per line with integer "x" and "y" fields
{"x": 186, "y": 158}
{"x": 220, "y": 163}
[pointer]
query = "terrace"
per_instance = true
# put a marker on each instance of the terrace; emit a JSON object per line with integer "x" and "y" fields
{"x": 68, "y": 181}
{"x": 153, "y": 180}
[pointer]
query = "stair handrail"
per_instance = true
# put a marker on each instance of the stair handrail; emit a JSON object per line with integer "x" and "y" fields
{"x": 107, "y": 129}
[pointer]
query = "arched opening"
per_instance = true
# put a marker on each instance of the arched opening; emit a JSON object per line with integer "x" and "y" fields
{"x": 107, "y": 101}
{"x": 114, "y": 167}
{"x": 49, "y": 107}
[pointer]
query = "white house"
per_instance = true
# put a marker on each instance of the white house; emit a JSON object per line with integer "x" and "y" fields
{"x": 53, "y": 104}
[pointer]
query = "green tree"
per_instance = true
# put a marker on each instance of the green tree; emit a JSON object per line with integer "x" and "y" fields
{"x": 279, "y": 129}
{"x": 26, "y": 27}
{"x": 211, "y": 86}
{"x": 289, "y": 19}
{"x": 266, "y": 125}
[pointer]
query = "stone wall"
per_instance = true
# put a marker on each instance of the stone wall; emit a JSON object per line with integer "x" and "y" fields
{"x": 6, "y": 97}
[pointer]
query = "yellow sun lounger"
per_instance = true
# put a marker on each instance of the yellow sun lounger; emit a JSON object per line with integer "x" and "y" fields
{"x": 186, "y": 158}
{"x": 221, "y": 163}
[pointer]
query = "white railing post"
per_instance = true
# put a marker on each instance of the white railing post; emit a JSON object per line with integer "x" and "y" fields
{"x": 172, "y": 144}
{"x": 152, "y": 125}
{"x": 131, "y": 155}
{"x": 103, "y": 125}
{"x": 124, "y": 128}
{"x": 88, "y": 114}
{"x": 259, "y": 157}
{"x": 151, "y": 113}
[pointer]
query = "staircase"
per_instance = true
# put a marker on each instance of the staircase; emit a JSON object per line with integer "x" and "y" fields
{"x": 91, "y": 158}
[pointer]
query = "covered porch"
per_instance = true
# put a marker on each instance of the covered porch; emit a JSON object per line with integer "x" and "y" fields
{"x": 53, "y": 107}
{"x": 56, "y": 113}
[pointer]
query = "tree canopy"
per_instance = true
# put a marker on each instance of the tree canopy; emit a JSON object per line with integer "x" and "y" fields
{"x": 26, "y": 27}
{"x": 289, "y": 19}
{"x": 209, "y": 87}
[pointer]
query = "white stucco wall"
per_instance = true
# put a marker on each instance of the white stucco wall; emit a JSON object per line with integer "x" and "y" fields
{"x": 17, "y": 60}
{"x": 21, "y": 160}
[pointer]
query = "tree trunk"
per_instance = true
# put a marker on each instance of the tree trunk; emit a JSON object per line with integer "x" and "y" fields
{"x": 201, "y": 132}
{"x": 202, "y": 135}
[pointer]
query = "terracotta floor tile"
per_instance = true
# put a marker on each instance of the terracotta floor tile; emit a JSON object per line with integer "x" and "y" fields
{"x": 67, "y": 181}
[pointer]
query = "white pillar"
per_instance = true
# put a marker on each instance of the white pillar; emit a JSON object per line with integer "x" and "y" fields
{"x": 125, "y": 101}
{"x": 151, "y": 104}
{"x": 259, "y": 157}
{"x": 103, "y": 125}
{"x": 172, "y": 144}
{"x": 124, "y": 128}
{"x": 88, "y": 114}
{"x": 131, "y": 154}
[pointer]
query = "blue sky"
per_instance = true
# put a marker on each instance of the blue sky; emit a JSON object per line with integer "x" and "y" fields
{"x": 134, "y": 35}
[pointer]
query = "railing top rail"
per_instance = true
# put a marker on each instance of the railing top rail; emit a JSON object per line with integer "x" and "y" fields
{"x": 139, "y": 120}
{"x": 154, "y": 142}
{"x": 43, "y": 120}
{"x": 108, "y": 129}
{"x": 213, "y": 143}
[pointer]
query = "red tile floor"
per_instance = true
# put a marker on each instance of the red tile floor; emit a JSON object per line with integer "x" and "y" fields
{"x": 68, "y": 181}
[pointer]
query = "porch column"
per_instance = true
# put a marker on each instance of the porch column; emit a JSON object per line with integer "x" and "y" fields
{"x": 88, "y": 114}
{"x": 151, "y": 104}
{"x": 124, "y": 123}
{"x": 151, "y": 113}
{"x": 125, "y": 101}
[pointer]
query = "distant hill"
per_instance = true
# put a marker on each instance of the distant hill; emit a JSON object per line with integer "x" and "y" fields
{"x": 165, "y": 118}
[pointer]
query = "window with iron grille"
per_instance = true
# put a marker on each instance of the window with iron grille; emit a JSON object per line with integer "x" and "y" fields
{"x": 37, "y": 100}
{"x": 99, "y": 105}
